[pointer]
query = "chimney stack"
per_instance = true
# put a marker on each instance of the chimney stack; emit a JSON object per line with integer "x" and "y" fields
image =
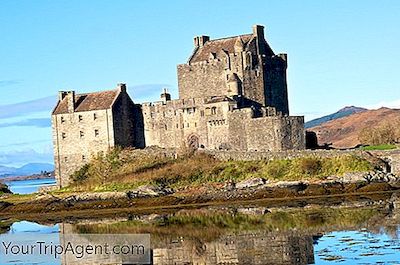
{"x": 121, "y": 87}
{"x": 258, "y": 31}
{"x": 61, "y": 95}
{"x": 199, "y": 41}
{"x": 70, "y": 96}
{"x": 165, "y": 96}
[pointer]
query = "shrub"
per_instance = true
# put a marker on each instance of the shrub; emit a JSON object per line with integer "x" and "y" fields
{"x": 277, "y": 169}
{"x": 81, "y": 174}
{"x": 310, "y": 166}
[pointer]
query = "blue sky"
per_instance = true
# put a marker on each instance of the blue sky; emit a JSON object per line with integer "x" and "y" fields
{"x": 340, "y": 53}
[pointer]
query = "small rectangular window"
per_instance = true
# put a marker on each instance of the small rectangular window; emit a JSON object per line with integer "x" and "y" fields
{"x": 65, "y": 159}
{"x": 63, "y": 135}
{"x": 80, "y": 118}
{"x": 81, "y": 134}
{"x": 62, "y": 119}
{"x": 94, "y": 116}
{"x": 96, "y": 132}
{"x": 83, "y": 158}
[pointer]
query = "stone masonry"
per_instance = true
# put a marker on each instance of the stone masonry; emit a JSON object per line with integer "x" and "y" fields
{"x": 232, "y": 97}
{"x": 86, "y": 124}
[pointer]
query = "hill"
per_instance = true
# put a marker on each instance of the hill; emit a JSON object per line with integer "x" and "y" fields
{"x": 343, "y": 132}
{"x": 346, "y": 111}
{"x": 26, "y": 170}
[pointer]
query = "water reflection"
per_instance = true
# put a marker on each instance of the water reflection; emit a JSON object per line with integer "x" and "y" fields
{"x": 281, "y": 236}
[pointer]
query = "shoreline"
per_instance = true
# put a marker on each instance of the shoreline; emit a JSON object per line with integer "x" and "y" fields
{"x": 47, "y": 207}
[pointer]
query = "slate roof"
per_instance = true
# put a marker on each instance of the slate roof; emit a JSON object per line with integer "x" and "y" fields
{"x": 87, "y": 102}
{"x": 214, "y": 46}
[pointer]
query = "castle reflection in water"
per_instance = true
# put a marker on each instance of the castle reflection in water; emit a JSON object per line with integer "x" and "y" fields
{"x": 262, "y": 248}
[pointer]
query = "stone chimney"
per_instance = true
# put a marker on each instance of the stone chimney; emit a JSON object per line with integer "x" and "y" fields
{"x": 121, "y": 87}
{"x": 258, "y": 31}
{"x": 165, "y": 96}
{"x": 199, "y": 41}
{"x": 70, "y": 96}
{"x": 61, "y": 95}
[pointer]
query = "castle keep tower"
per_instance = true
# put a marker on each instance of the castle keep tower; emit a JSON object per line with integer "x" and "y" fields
{"x": 245, "y": 62}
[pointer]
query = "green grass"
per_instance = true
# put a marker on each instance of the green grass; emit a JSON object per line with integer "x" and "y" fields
{"x": 379, "y": 147}
{"x": 121, "y": 170}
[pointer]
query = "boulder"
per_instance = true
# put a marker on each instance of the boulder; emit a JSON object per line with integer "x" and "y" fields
{"x": 250, "y": 183}
{"x": 293, "y": 185}
{"x": 149, "y": 191}
{"x": 253, "y": 210}
{"x": 352, "y": 177}
{"x": 96, "y": 196}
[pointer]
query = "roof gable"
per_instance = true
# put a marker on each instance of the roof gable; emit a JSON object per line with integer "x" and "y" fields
{"x": 88, "y": 102}
{"x": 218, "y": 45}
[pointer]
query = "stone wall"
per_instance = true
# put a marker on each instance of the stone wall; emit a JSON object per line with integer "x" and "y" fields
{"x": 76, "y": 137}
{"x": 175, "y": 123}
{"x": 202, "y": 79}
{"x": 219, "y": 125}
{"x": 289, "y": 154}
{"x": 123, "y": 120}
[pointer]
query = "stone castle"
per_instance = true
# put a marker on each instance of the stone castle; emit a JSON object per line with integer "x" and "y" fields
{"x": 232, "y": 96}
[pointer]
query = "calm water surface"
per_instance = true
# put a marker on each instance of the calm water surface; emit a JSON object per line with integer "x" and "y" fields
{"x": 29, "y": 186}
{"x": 247, "y": 235}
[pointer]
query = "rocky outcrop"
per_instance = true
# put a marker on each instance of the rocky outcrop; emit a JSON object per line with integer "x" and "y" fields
{"x": 362, "y": 178}
{"x": 96, "y": 196}
{"x": 4, "y": 189}
{"x": 149, "y": 191}
{"x": 250, "y": 183}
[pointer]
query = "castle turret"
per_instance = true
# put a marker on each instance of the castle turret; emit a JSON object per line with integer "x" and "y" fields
{"x": 165, "y": 96}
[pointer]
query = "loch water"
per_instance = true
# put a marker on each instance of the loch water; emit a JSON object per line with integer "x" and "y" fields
{"x": 357, "y": 233}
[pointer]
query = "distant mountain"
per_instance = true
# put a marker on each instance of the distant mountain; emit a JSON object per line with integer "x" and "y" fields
{"x": 343, "y": 132}
{"x": 28, "y": 169}
{"x": 346, "y": 111}
{"x": 6, "y": 170}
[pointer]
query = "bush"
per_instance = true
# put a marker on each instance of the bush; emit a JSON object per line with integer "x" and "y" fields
{"x": 81, "y": 174}
{"x": 278, "y": 169}
{"x": 310, "y": 166}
